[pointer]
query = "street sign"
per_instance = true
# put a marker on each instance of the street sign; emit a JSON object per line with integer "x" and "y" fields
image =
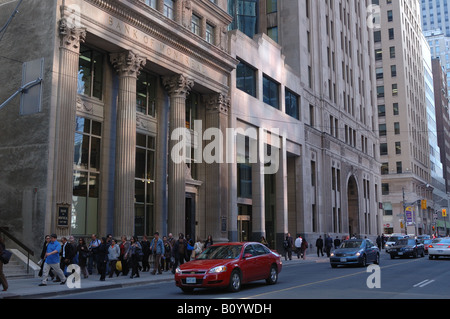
{"x": 409, "y": 215}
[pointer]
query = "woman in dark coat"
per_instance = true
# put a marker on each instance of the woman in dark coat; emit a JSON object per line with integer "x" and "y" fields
{"x": 83, "y": 254}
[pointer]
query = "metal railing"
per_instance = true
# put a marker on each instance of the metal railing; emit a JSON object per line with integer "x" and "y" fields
{"x": 29, "y": 252}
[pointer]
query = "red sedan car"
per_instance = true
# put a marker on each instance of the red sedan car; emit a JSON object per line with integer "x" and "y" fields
{"x": 229, "y": 265}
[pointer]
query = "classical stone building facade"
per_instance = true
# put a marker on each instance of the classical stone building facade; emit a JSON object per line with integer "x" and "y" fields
{"x": 277, "y": 127}
{"x": 119, "y": 78}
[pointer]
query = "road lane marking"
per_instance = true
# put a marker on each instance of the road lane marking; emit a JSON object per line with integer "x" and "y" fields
{"x": 423, "y": 283}
{"x": 325, "y": 280}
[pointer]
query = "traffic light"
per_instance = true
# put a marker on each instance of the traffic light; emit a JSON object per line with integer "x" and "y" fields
{"x": 444, "y": 212}
{"x": 423, "y": 203}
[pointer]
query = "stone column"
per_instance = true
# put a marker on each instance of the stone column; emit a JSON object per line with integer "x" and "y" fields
{"x": 216, "y": 179}
{"x": 178, "y": 88}
{"x": 67, "y": 96}
{"x": 128, "y": 66}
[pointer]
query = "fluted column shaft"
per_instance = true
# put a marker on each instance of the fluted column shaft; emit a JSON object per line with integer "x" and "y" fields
{"x": 67, "y": 96}
{"x": 178, "y": 87}
{"x": 128, "y": 66}
{"x": 216, "y": 179}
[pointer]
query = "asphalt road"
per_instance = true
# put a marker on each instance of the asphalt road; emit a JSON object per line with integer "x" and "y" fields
{"x": 419, "y": 278}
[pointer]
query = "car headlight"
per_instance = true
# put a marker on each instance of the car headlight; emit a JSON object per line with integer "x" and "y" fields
{"x": 332, "y": 254}
{"x": 178, "y": 270}
{"x": 218, "y": 269}
{"x": 358, "y": 253}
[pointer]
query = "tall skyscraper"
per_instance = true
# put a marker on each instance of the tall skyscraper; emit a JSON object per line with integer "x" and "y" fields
{"x": 402, "y": 115}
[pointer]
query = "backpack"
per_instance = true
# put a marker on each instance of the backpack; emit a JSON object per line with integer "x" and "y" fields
{"x": 285, "y": 244}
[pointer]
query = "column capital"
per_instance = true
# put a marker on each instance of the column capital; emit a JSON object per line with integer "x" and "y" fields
{"x": 217, "y": 102}
{"x": 127, "y": 63}
{"x": 71, "y": 36}
{"x": 178, "y": 84}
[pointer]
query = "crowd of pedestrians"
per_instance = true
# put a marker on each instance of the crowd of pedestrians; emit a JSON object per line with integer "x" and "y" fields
{"x": 108, "y": 256}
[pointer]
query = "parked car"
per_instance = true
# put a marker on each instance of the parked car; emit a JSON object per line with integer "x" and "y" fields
{"x": 407, "y": 247}
{"x": 355, "y": 252}
{"x": 392, "y": 240}
{"x": 229, "y": 265}
{"x": 439, "y": 247}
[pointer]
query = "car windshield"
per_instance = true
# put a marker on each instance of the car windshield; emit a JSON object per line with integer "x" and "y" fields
{"x": 351, "y": 244}
{"x": 221, "y": 252}
{"x": 394, "y": 238}
{"x": 443, "y": 241}
{"x": 410, "y": 242}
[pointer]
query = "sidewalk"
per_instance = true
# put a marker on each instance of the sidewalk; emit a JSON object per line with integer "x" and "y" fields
{"x": 29, "y": 288}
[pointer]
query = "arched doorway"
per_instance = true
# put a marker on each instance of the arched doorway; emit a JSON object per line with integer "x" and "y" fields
{"x": 353, "y": 206}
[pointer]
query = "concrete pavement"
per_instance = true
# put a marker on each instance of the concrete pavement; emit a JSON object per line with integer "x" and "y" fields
{"x": 29, "y": 288}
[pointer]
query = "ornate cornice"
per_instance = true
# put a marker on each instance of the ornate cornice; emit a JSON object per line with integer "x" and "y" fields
{"x": 179, "y": 39}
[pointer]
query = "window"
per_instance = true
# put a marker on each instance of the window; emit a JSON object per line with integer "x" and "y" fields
{"x": 273, "y": 33}
{"x": 377, "y": 36}
{"x": 383, "y": 149}
{"x": 394, "y": 90}
{"x": 291, "y": 104}
{"x": 398, "y": 147}
{"x": 381, "y": 110}
{"x": 90, "y": 73}
{"x": 378, "y": 54}
{"x": 399, "y": 167}
{"x": 392, "y": 52}
{"x": 397, "y": 128}
{"x": 245, "y": 16}
{"x": 168, "y": 8}
{"x": 389, "y": 16}
{"x": 271, "y": 6}
{"x": 385, "y": 189}
{"x": 210, "y": 33}
{"x": 144, "y": 180}
{"x": 244, "y": 166}
{"x": 395, "y": 108}
{"x": 379, "y": 73}
{"x": 391, "y": 34}
{"x": 384, "y": 168}
{"x": 382, "y": 129}
{"x": 146, "y": 94}
{"x": 151, "y": 3}
{"x": 191, "y": 109}
{"x": 195, "y": 24}
{"x": 270, "y": 92}
{"x": 380, "y": 91}
{"x": 393, "y": 71}
{"x": 86, "y": 176}
{"x": 246, "y": 78}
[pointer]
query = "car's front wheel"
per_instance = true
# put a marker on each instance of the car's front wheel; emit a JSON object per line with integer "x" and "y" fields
{"x": 273, "y": 276}
{"x": 235, "y": 281}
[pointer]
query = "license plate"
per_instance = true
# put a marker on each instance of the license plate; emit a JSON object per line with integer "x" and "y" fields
{"x": 400, "y": 253}
{"x": 440, "y": 251}
{"x": 191, "y": 280}
{"x": 343, "y": 260}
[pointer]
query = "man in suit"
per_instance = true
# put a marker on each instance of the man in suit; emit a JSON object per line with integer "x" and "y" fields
{"x": 66, "y": 255}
